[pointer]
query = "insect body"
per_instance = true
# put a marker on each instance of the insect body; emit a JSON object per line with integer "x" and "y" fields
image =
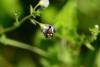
{"x": 49, "y": 31}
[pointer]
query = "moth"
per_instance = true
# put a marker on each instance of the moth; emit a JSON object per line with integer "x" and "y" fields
{"x": 49, "y": 31}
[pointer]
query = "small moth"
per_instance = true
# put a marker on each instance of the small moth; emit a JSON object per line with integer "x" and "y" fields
{"x": 48, "y": 31}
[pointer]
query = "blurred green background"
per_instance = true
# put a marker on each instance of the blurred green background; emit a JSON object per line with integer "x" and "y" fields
{"x": 75, "y": 43}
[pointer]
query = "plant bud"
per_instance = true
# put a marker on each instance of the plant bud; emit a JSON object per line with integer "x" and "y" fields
{"x": 44, "y": 3}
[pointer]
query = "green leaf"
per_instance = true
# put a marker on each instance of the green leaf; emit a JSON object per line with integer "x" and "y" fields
{"x": 89, "y": 46}
{"x": 12, "y": 7}
{"x": 49, "y": 14}
{"x": 88, "y": 14}
{"x": 67, "y": 16}
{"x": 66, "y": 22}
{"x": 89, "y": 7}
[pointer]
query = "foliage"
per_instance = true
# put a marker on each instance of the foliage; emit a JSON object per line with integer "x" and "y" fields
{"x": 73, "y": 40}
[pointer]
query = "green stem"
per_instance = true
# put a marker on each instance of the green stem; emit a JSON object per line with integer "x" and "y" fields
{"x": 36, "y": 6}
{"x": 15, "y": 26}
{"x": 14, "y": 43}
{"x": 20, "y": 22}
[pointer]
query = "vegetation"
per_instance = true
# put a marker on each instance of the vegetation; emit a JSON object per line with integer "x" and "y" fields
{"x": 49, "y": 33}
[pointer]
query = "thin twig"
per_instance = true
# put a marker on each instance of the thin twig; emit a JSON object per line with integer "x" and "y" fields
{"x": 14, "y": 43}
{"x": 15, "y": 26}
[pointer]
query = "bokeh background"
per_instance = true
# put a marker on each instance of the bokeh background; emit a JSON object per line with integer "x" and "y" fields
{"x": 73, "y": 44}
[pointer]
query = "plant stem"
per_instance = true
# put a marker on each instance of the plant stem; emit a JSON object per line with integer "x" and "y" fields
{"x": 36, "y": 6}
{"x": 15, "y": 26}
{"x": 14, "y": 43}
{"x": 20, "y": 22}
